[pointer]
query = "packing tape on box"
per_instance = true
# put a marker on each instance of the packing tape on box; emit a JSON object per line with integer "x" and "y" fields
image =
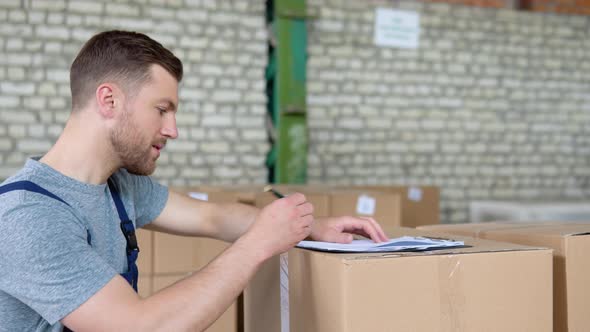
{"x": 284, "y": 279}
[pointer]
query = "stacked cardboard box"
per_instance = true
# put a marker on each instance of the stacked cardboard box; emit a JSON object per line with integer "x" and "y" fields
{"x": 173, "y": 257}
{"x": 409, "y": 206}
{"x": 571, "y": 265}
{"x": 419, "y": 204}
{"x": 165, "y": 259}
{"x": 145, "y": 242}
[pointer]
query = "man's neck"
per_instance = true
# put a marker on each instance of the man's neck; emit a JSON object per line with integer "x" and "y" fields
{"x": 82, "y": 153}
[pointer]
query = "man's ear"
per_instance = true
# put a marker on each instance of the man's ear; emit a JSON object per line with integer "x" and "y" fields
{"x": 108, "y": 100}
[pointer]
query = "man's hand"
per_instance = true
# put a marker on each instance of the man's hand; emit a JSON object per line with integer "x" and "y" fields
{"x": 281, "y": 225}
{"x": 341, "y": 229}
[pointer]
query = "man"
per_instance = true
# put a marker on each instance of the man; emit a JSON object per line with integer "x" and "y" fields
{"x": 66, "y": 243}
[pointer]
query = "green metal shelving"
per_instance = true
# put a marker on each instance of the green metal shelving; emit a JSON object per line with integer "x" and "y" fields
{"x": 286, "y": 90}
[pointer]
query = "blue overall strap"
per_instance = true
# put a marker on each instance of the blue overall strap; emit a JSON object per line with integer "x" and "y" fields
{"x": 29, "y": 186}
{"x": 132, "y": 275}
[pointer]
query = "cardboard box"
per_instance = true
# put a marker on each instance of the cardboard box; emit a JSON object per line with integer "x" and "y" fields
{"x": 419, "y": 204}
{"x": 414, "y": 206}
{"x": 165, "y": 259}
{"x": 571, "y": 265}
{"x": 175, "y": 254}
{"x": 146, "y": 254}
{"x": 384, "y": 207}
{"x": 188, "y": 254}
{"x": 144, "y": 285}
{"x": 227, "y": 322}
{"x": 491, "y": 286}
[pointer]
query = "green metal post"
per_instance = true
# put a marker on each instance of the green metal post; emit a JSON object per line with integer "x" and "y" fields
{"x": 286, "y": 78}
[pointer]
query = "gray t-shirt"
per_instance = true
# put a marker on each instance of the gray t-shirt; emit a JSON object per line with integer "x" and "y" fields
{"x": 47, "y": 267}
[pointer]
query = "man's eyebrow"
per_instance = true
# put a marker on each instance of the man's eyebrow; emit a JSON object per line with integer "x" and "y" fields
{"x": 170, "y": 103}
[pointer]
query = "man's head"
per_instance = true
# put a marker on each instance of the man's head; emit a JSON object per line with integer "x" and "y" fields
{"x": 132, "y": 82}
{"x": 118, "y": 56}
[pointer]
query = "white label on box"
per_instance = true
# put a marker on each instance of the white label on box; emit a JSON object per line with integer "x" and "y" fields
{"x": 201, "y": 196}
{"x": 415, "y": 194}
{"x": 397, "y": 28}
{"x": 366, "y": 205}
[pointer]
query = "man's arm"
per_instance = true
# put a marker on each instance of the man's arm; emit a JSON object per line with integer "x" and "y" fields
{"x": 195, "y": 302}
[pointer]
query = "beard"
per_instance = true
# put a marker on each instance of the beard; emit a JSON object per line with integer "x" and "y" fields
{"x": 132, "y": 149}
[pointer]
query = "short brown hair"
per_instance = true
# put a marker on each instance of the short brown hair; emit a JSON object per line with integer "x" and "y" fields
{"x": 120, "y": 56}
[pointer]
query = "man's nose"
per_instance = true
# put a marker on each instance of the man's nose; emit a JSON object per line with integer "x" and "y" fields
{"x": 170, "y": 130}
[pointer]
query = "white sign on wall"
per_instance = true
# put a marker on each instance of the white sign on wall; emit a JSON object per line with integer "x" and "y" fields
{"x": 397, "y": 28}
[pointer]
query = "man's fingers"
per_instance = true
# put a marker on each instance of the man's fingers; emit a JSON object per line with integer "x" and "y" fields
{"x": 307, "y": 220}
{"x": 363, "y": 226}
{"x": 381, "y": 234}
{"x": 305, "y": 209}
{"x": 296, "y": 198}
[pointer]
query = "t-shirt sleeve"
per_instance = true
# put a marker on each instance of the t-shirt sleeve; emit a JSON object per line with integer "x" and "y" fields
{"x": 150, "y": 198}
{"x": 46, "y": 261}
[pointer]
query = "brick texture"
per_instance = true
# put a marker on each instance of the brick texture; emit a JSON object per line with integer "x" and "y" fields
{"x": 492, "y": 105}
{"x": 40, "y": 38}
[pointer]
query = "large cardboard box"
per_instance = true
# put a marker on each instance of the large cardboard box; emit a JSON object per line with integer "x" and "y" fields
{"x": 383, "y": 206}
{"x": 571, "y": 264}
{"x": 145, "y": 286}
{"x": 145, "y": 240}
{"x": 419, "y": 204}
{"x": 490, "y": 286}
{"x": 486, "y": 287}
{"x": 171, "y": 258}
{"x": 173, "y": 254}
{"x": 409, "y": 206}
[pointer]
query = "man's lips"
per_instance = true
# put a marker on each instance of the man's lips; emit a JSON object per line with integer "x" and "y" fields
{"x": 159, "y": 146}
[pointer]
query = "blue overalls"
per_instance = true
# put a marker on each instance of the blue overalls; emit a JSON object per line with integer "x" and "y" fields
{"x": 126, "y": 225}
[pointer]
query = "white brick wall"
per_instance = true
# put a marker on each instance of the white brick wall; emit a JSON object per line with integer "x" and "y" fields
{"x": 480, "y": 109}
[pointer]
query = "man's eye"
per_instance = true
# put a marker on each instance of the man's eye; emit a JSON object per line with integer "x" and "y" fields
{"x": 162, "y": 110}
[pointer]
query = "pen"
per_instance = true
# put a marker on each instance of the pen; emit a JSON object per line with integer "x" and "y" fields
{"x": 273, "y": 191}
